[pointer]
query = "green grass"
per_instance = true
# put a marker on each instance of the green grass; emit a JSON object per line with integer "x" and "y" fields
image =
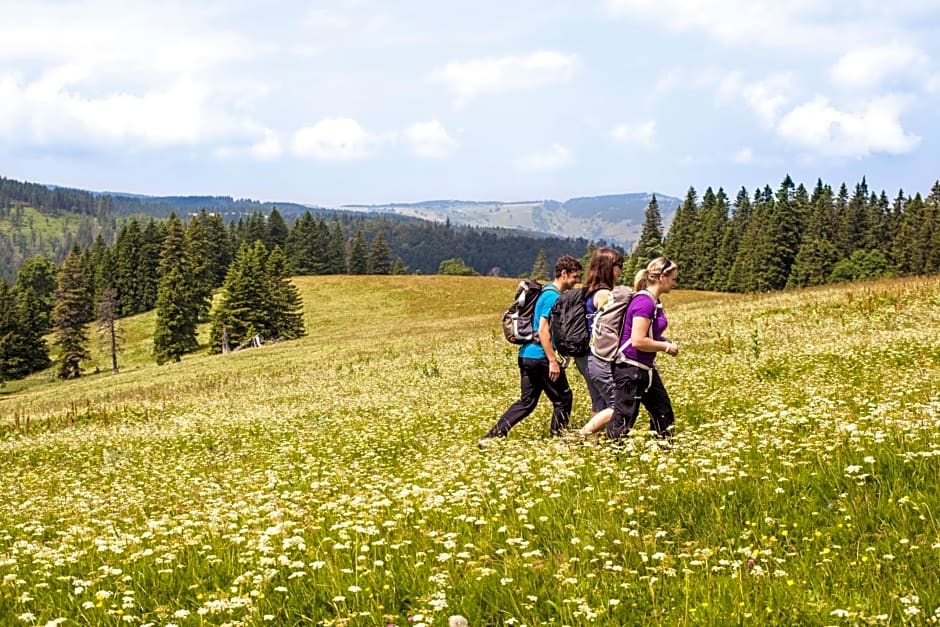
{"x": 335, "y": 480}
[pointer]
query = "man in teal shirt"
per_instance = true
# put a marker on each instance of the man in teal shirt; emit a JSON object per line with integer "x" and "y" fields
{"x": 539, "y": 370}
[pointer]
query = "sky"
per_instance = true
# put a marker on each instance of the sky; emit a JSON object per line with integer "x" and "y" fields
{"x": 367, "y": 102}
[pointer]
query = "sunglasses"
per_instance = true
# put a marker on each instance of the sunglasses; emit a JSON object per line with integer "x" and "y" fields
{"x": 667, "y": 264}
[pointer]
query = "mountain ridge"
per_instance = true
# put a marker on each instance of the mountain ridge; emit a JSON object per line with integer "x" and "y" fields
{"x": 614, "y": 218}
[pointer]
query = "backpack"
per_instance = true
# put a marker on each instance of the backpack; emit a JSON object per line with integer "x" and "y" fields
{"x": 607, "y": 328}
{"x": 569, "y": 324}
{"x": 518, "y": 319}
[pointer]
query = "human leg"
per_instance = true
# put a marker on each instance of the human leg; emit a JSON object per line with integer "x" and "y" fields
{"x": 598, "y": 400}
{"x": 530, "y": 384}
{"x": 629, "y": 383}
{"x": 657, "y": 403}
{"x": 559, "y": 393}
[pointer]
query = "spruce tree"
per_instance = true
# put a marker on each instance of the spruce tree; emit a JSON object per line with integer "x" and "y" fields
{"x": 108, "y": 311}
{"x": 197, "y": 248}
{"x": 68, "y": 317}
{"x": 380, "y": 256}
{"x": 16, "y": 360}
{"x": 178, "y": 300}
{"x": 276, "y": 232}
{"x": 127, "y": 262}
{"x": 358, "y": 255}
{"x": 37, "y": 277}
{"x": 930, "y": 236}
{"x": 399, "y": 267}
{"x": 680, "y": 239}
{"x": 239, "y": 312}
{"x": 540, "y": 267}
{"x": 299, "y": 247}
{"x": 817, "y": 255}
{"x": 724, "y": 277}
{"x": 285, "y": 308}
{"x": 908, "y": 245}
{"x": 151, "y": 241}
{"x": 650, "y": 244}
{"x": 336, "y": 252}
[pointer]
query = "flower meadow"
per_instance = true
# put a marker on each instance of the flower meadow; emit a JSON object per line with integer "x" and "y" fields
{"x": 336, "y": 479}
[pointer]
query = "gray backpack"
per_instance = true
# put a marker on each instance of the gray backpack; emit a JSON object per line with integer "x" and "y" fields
{"x": 607, "y": 328}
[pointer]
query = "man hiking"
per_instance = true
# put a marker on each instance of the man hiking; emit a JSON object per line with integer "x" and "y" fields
{"x": 539, "y": 368}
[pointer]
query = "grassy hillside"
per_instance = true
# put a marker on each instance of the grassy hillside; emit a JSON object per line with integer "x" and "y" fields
{"x": 336, "y": 480}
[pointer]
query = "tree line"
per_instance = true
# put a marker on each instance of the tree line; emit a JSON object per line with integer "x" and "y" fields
{"x": 794, "y": 238}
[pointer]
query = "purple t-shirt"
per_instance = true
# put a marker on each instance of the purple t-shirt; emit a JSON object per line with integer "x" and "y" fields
{"x": 642, "y": 305}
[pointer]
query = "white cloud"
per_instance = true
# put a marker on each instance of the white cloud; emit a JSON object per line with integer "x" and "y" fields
{"x": 335, "y": 138}
{"x": 769, "y": 96}
{"x": 796, "y": 24}
{"x": 827, "y": 131}
{"x": 933, "y": 84}
{"x": 430, "y": 139}
{"x": 469, "y": 79}
{"x": 555, "y": 158}
{"x": 641, "y": 134}
{"x": 47, "y": 112}
{"x": 871, "y": 65}
{"x": 743, "y": 156}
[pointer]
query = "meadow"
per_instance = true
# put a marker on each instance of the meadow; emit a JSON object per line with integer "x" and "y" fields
{"x": 336, "y": 479}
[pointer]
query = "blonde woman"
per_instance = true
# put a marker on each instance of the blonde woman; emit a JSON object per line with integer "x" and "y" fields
{"x": 636, "y": 379}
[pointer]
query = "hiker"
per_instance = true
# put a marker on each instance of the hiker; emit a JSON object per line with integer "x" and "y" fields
{"x": 604, "y": 272}
{"x": 636, "y": 379}
{"x": 539, "y": 366}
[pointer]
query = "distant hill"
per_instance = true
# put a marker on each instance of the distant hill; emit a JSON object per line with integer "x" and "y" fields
{"x": 617, "y": 218}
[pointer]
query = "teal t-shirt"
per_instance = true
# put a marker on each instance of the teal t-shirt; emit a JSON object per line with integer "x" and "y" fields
{"x": 543, "y": 307}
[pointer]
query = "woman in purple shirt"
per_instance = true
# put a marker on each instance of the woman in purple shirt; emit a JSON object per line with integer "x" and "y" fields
{"x": 636, "y": 379}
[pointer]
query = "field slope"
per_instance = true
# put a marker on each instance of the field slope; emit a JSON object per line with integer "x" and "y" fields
{"x": 336, "y": 480}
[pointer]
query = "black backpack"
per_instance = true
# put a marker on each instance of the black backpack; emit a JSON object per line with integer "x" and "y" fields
{"x": 569, "y": 324}
{"x": 518, "y": 319}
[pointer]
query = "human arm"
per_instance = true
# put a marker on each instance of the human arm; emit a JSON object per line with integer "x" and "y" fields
{"x": 640, "y": 338}
{"x": 545, "y": 339}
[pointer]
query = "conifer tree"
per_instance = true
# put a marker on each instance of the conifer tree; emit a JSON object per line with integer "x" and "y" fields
{"x": 778, "y": 241}
{"x": 713, "y": 216}
{"x": 276, "y": 231}
{"x": 127, "y": 262}
{"x": 908, "y": 245}
{"x": 399, "y": 267}
{"x": 285, "y": 308}
{"x": 69, "y": 316}
{"x": 725, "y": 275}
{"x": 178, "y": 300}
{"x": 300, "y": 244}
{"x": 540, "y": 267}
{"x": 336, "y": 254}
{"x": 108, "y": 311}
{"x": 151, "y": 242}
{"x": 380, "y": 255}
{"x": 23, "y": 349}
{"x": 931, "y": 231}
{"x": 358, "y": 255}
{"x": 586, "y": 258}
{"x": 650, "y": 244}
{"x": 37, "y": 280}
{"x": 239, "y": 313}
{"x": 817, "y": 255}
{"x": 197, "y": 248}
{"x": 680, "y": 239}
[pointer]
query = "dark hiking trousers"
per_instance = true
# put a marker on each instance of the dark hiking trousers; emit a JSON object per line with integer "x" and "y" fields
{"x": 533, "y": 377}
{"x": 634, "y": 386}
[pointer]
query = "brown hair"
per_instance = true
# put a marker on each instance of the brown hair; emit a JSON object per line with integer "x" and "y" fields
{"x": 566, "y": 263}
{"x": 601, "y": 269}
